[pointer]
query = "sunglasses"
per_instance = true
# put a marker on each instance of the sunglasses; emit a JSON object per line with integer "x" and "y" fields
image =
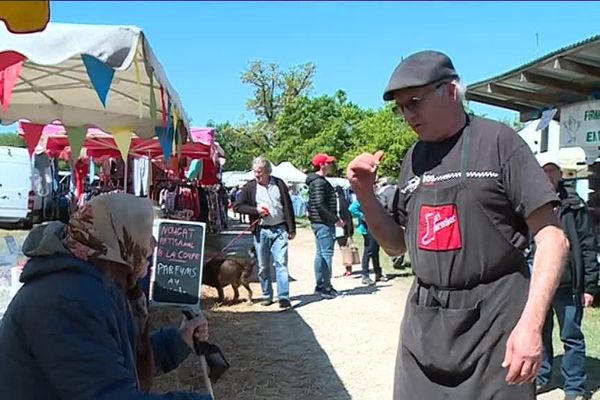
{"x": 414, "y": 102}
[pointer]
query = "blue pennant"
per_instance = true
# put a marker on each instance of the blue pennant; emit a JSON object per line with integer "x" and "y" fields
{"x": 101, "y": 76}
{"x": 165, "y": 138}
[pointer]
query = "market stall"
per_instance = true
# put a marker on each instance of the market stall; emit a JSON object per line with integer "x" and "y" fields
{"x": 89, "y": 76}
{"x": 191, "y": 173}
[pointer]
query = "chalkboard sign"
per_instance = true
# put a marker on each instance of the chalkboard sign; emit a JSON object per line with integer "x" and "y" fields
{"x": 178, "y": 263}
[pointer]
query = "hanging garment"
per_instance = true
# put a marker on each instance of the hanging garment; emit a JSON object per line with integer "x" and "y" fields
{"x": 141, "y": 176}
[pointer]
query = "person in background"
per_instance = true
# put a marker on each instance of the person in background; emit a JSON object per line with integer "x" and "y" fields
{"x": 348, "y": 229}
{"x": 232, "y": 193}
{"x": 79, "y": 326}
{"x": 371, "y": 247}
{"x": 241, "y": 217}
{"x": 322, "y": 209}
{"x": 266, "y": 198}
{"x": 577, "y": 288}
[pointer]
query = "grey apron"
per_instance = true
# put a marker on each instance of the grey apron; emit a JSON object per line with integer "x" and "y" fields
{"x": 470, "y": 288}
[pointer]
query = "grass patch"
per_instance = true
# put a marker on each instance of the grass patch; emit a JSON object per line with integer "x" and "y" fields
{"x": 302, "y": 222}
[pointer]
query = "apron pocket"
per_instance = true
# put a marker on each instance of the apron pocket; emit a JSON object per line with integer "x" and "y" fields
{"x": 446, "y": 343}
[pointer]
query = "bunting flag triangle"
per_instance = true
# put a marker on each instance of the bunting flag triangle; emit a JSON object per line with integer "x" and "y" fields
{"x": 122, "y": 138}
{"x": 138, "y": 82}
{"x": 165, "y": 138}
{"x": 76, "y": 136}
{"x": 180, "y": 148}
{"x": 32, "y": 134}
{"x": 152, "y": 100}
{"x": 175, "y": 118}
{"x": 177, "y": 133}
{"x": 163, "y": 107}
{"x": 11, "y": 65}
{"x": 100, "y": 74}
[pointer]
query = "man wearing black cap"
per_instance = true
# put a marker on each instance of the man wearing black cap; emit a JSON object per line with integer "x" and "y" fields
{"x": 470, "y": 194}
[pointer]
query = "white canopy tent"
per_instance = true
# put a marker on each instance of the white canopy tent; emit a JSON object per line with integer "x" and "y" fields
{"x": 289, "y": 173}
{"x": 231, "y": 178}
{"x": 56, "y": 81}
{"x": 342, "y": 182}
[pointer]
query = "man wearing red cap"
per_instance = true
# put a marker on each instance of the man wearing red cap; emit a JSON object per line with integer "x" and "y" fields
{"x": 322, "y": 209}
{"x": 471, "y": 194}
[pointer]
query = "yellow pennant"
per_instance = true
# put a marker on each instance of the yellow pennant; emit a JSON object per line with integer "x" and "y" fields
{"x": 138, "y": 82}
{"x": 122, "y": 138}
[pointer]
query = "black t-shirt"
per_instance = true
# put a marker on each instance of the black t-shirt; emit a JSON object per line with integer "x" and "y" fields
{"x": 502, "y": 173}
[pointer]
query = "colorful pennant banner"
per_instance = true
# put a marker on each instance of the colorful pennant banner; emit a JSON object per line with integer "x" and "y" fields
{"x": 138, "y": 82}
{"x": 32, "y": 134}
{"x": 101, "y": 76}
{"x": 11, "y": 65}
{"x": 165, "y": 138}
{"x": 122, "y": 138}
{"x": 152, "y": 100}
{"x": 76, "y": 136}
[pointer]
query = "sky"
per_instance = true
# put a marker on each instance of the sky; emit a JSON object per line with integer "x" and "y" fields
{"x": 205, "y": 46}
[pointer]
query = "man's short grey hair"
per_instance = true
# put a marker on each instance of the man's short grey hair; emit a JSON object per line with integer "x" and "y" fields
{"x": 461, "y": 89}
{"x": 262, "y": 162}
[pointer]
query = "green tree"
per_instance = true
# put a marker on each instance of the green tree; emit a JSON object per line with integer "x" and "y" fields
{"x": 241, "y": 144}
{"x": 312, "y": 125}
{"x": 382, "y": 130}
{"x": 12, "y": 140}
{"x": 274, "y": 88}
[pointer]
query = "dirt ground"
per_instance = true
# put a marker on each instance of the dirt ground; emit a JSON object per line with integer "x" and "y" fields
{"x": 327, "y": 349}
{"x": 322, "y": 349}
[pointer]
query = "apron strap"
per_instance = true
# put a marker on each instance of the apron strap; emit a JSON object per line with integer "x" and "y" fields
{"x": 465, "y": 149}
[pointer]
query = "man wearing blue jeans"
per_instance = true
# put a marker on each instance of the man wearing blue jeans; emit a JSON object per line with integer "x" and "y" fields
{"x": 322, "y": 209}
{"x": 267, "y": 198}
{"x": 576, "y": 290}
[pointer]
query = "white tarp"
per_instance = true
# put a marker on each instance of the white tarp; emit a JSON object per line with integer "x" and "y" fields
{"x": 285, "y": 171}
{"x": 231, "y": 178}
{"x": 54, "y": 83}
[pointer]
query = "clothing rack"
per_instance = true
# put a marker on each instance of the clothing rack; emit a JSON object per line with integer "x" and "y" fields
{"x": 204, "y": 202}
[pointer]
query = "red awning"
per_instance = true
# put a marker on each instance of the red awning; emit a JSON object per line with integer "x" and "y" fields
{"x": 105, "y": 146}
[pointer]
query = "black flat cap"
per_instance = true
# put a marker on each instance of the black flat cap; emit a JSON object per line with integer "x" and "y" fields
{"x": 420, "y": 69}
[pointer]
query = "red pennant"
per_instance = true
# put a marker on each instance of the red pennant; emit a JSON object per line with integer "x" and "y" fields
{"x": 32, "y": 134}
{"x": 11, "y": 65}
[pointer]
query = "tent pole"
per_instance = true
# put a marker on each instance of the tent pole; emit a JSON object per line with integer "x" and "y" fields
{"x": 126, "y": 174}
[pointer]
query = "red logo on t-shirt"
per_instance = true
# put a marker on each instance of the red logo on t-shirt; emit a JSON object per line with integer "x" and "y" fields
{"x": 439, "y": 229}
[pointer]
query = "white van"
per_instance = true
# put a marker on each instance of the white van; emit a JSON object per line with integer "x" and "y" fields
{"x": 15, "y": 185}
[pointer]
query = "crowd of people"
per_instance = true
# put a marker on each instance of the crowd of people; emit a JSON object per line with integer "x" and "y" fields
{"x": 487, "y": 226}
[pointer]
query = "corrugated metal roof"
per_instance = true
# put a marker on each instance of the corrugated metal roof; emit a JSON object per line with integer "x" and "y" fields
{"x": 567, "y": 75}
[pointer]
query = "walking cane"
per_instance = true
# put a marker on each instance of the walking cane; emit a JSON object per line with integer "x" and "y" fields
{"x": 198, "y": 350}
{"x": 218, "y": 363}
